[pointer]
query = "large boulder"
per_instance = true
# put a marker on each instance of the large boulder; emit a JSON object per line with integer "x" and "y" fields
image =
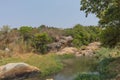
{"x": 66, "y": 41}
{"x": 54, "y": 46}
{"x": 17, "y": 71}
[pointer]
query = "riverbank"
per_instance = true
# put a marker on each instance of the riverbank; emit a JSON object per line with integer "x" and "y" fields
{"x": 48, "y": 64}
{"x": 56, "y": 65}
{"x": 108, "y": 67}
{"x": 72, "y": 66}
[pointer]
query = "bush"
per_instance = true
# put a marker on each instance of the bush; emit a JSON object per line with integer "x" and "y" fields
{"x": 104, "y": 70}
{"x": 103, "y": 53}
{"x": 52, "y": 31}
{"x": 83, "y": 35}
{"x": 88, "y": 76}
{"x": 26, "y": 32}
{"x": 110, "y": 36}
{"x": 40, "y": 41}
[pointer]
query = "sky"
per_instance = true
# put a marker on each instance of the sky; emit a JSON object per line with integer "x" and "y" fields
{"x": 56, "y": 13}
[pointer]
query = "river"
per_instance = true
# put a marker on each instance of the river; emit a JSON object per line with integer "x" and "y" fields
{"x": 72, "y": 67}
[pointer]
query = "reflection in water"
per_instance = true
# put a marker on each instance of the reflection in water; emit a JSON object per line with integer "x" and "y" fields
{"x": 73, "y": 66}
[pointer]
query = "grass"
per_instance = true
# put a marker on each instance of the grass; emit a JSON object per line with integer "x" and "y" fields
{"x": 66, "y": 56}
{"x": 87, "y": 76}
{"x": 48, "y": 64}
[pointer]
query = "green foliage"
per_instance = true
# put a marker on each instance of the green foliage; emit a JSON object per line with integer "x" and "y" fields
{"x": 40, "y": 41}
{"x": 110, "y": 36}
{"x": 103, "y": 53}
{"x": 88, "y": 76}
{"x": 42, "y": 27}
{"x": 104, "y": 70}
{"x": 51, "y": 31}
{"x": 108, "y": 12}
{"x": 66, "y": 56}
{"x": 25, "y": 31}
{"x": 107, "y": 53}
{"x": 83, "y": 35}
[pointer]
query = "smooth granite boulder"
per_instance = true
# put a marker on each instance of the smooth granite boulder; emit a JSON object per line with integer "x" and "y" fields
{"x": 18, "y": 71}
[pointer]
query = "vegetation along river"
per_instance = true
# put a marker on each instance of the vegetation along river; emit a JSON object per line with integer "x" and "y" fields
{"x": 73, "y": 66}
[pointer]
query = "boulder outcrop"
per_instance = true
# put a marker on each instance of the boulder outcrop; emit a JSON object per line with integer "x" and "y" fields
{"x": 17, "y": 71}
{"x": 88, "y": 50}
{"x": 62, "y": 42}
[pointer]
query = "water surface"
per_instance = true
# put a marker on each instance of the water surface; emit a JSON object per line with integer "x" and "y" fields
{"x": 73, "y": 66}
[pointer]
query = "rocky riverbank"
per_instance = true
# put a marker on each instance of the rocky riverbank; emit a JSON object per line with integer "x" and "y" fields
{"x": 18, "y": 71}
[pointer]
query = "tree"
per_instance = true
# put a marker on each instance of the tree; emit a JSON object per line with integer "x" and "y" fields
{"x": 108, "y": 12}
{"x": 25, "y": 31}
{"x": 83, "y": 35}
{"x": 42, "y": 27}
{"x": 110, "y": 36}
{"x": 40, "y": 42}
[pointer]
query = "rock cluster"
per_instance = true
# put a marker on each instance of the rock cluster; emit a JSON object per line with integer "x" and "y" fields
{"x": 89, "y": 50}
{"x": 60, "y": 43}
{"x": 86, "y": 51}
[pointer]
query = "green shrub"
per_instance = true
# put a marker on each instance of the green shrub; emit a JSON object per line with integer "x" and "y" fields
{"x": 110, "y": 36}
{"x": 103, "y": 53}
{"x": 88, "y": 76}
{"x": 83, "y": 35}
{"x": 107, "y": 52}
{"x": 26, "y": 32}
{"x": 40, "y": 42}
{"x": 104, "y": 70}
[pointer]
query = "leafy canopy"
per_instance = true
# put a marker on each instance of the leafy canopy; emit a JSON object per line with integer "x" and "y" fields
{"x": 108, "y": 11}
{"x": 25, "y": 31}
{"x": 83, "y": 35}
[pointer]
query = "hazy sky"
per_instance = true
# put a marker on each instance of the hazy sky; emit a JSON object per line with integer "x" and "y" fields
{"x": 57, "y": 13}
